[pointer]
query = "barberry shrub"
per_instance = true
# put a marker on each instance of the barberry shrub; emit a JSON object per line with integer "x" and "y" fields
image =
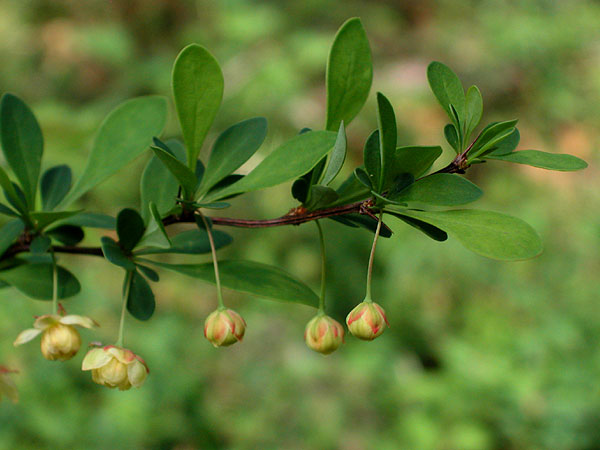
{"x": 178, "y": 185}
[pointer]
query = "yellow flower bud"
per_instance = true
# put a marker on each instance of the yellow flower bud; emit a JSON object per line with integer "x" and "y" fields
{"x": 323, "y": 334}
{"x": 224, "y": 327}
{"x": 115, "y": 367}
{"x": 60, "y": 342}
{"x": 367, "y": 321}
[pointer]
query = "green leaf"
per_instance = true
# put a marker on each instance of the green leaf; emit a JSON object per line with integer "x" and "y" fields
{"x": 320, "y": 197}
{"x": 7, "y": 211}
{"x": 42, "y": 219}
{"x": 148, "y": 273}
{"x": 440, "y": 189}
{"x": 155, "y": 234}
{"x": 452, "y": 137}
{"x": 192, "y": 242}
{"x": 114, "y": 254}
{"x": 40, "y": 244}
{"x": 22, "y": 143}
{"x": 543, "y": 160}
{"x": 363, "y": 221}
{"x": 184, "y": 175}
{"x": 491, "y": 136}
{"x": 125, "y": 133}
{"x": 157, "y": 185}
{"x": 415, "y": 160}
{"x": 448, "y": 89}
{"x": 9, "y": 232}
{"x": 372, "y": 160}
{"x": 487, "y": 233}
{"x": 337, "y": 157}
{"x": 36, "y": 281}
{"x": 362, "y": 177}
{"x": 140, "y": 302}
{"x": 260, "y": 280}
{"x": 11, "y": 193}
{"x": 433, "y": 232}
{"x": 67, "y": 234}
{"x": 290, "y": 160}
{"x": 213, "y": 205}
{"x": 507, "y": 145}
{"x": 349, "y": 74}
{"x": 388, "y": 137}
{"x": 55, "y": 184}
{"x": 130, "y": 228}
{"x": 473, "y": 110}
{"x": 91, "y": 220}
{"x": 352, "y": 190}
{"x": 198, "y": 92}
{"x": 232, "y": 149}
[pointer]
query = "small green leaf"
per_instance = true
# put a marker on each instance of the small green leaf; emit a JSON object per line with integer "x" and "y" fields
{"x": 148, "y": 273}
{"x": 363, "y": 178}
{"x": 452, "y": 137}
{"x": 22, "y": 143}
{"x": 352, "y": 190}
{"x": 349, "y": 74}
{"x": 42, "y": 219}
{"x": 7, "y": 211}
{"x": 183, "y": 174}
{"x": 290, "y": 160}
{"x": 55, "y": 184}
{"x": 40, "y": 244}
{"x": 491, "y": 136}
{"x": 198, "y": 92}
{"x": 487, "y": 233}
{"x": 448, "y": 89}
{"x": 155, "y": 234}
{"x": 140, "y": 302}
{"x": 114, "y": 254}
{"x": 67, "y": 234}
{"x": 440, "y": 189}
{"x": 433, "y": 232}
{"x": 130, "y": 228}
{"x": 507, "y": 145}
{"x": 232, "y": 149}
{"x": 473, "y": 110}
{"x": 191, "y": 242}
{"x": 372, "y": 160}
{"x": 388, "y": 137}
{"x": 366, "y": 222}
{"x": 337, "y": 157}
{"x": 36, "y": 281}
{"x": 543, "y": 160}
{"x": 260, "y": 280}
{"x": 415, "y": 160}
{"x": 125, "y": 133}
{"x": 320, "y": 197}
{"x": 213, "y": 205}
{"x": 11, "y": 193}
{"x": 9, "y": 232}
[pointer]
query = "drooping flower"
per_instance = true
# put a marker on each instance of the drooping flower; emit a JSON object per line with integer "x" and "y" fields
{"x": 367, "y": 321}
{"x": 60, "y": 339}
{"x": 115, "y": 367}
{"x": 324, "y": 334}
{"x": 7, "y": 386}
{"x": 224, "y": 327}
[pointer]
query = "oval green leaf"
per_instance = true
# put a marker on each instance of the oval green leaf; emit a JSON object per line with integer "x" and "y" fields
{"x": 440, "y": 189}
{"x": 35, "y": 281}
{"x": 55, "y": 184}
{"x": 543, "y": 160}
{"x": 9, "y": 232}
{"x": 140, "y": 302}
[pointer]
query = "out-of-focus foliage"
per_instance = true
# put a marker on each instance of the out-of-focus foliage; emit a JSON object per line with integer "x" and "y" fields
{"x": 480, "y": 354}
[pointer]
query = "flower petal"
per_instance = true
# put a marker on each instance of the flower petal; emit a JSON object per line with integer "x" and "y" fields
{"x": 26, "y": 336}
{"x": 95, "y": 359}
{"x": 121, "y": 354}
{"x": 136, "y": 373}
{"x": 82, "y": 321}
{"x": 43, "y": 322}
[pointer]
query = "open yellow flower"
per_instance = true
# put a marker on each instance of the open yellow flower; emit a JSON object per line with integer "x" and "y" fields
{"x": 60, "y": 339}
{"x": 7, "y": 386}
{"x": 115, "y": 367}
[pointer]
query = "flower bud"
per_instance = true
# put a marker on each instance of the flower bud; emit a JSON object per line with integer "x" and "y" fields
{"x": 367, "y": 321}
{"x": 115, "y": 367}
{"x": 224, "y": 327}
{"x": 60, "y": 342}
{"x": 323, "y": 334}
{"x": 7, "y": 387}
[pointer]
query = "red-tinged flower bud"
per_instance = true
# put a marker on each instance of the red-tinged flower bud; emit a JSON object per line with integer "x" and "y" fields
{"x": 224, "y": 327}
{"x": 115, "y": 367}
{"x": 323, "y": 334}
{"x": 367, "y": 321}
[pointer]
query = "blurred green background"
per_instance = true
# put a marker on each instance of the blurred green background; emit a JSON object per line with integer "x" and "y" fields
{"x": 480, "y": 354}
